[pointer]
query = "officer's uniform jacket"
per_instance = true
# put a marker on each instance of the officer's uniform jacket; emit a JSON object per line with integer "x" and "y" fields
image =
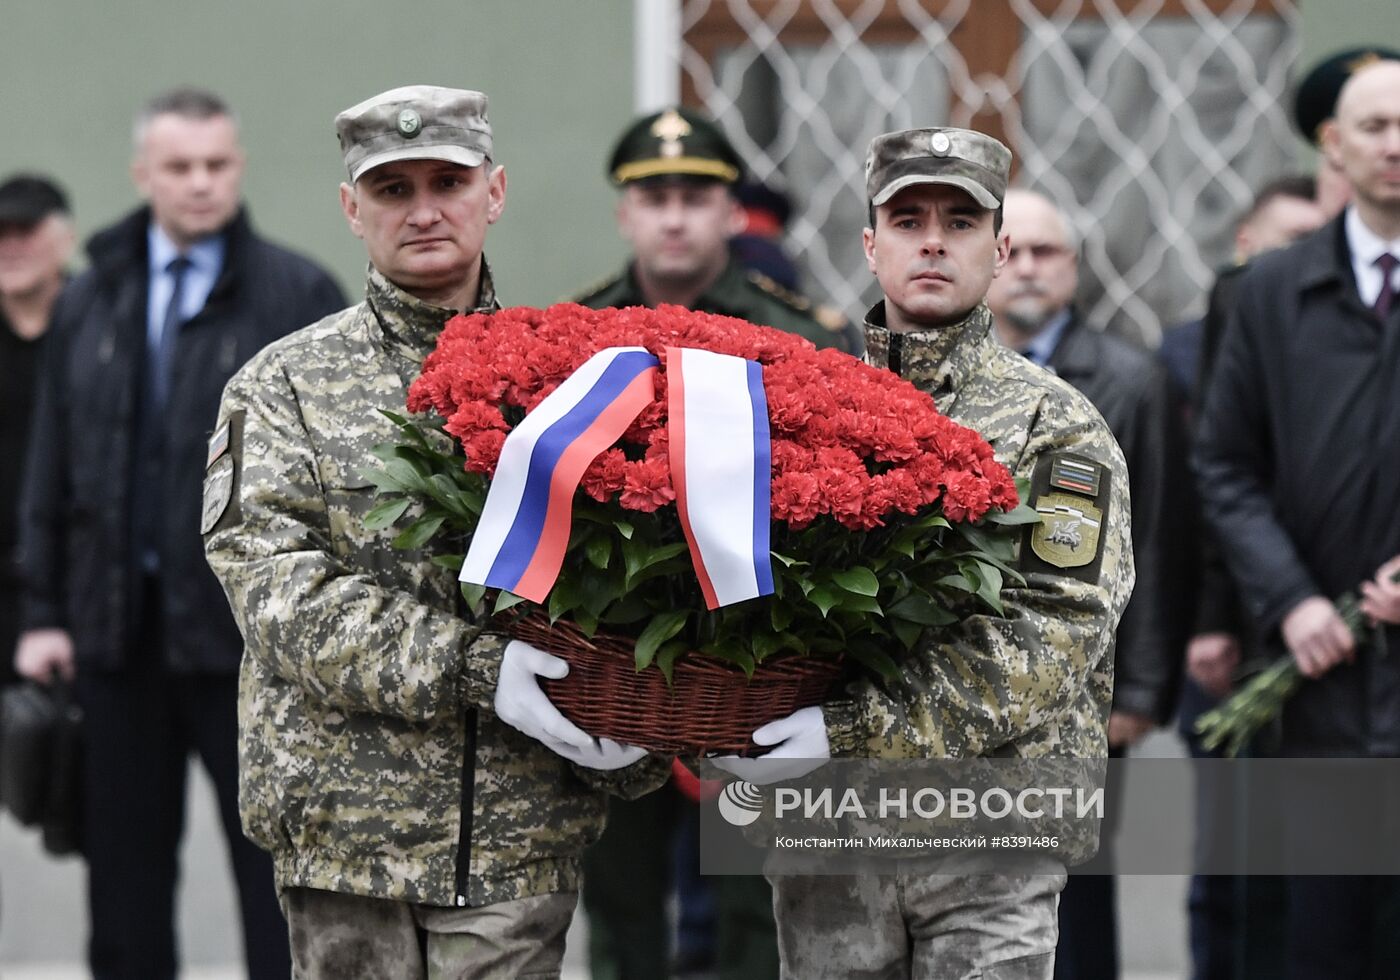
{"x": 746, "y": 295}
{"x": 1036, "y": 682}
{"x": 370, "y": 760}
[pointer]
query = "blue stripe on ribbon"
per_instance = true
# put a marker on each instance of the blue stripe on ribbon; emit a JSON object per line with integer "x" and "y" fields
{"x": 762, "y": 481}
{"x": 524, "y": 536}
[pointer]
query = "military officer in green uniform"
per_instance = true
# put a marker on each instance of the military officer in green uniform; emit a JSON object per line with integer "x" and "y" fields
{"x": 1033, "y": 683}
{"x": 424, "y": 804}
{"x": 676, "y": 172}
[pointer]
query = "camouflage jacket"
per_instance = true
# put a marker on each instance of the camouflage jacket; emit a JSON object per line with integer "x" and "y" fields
{"x": 369, "y": 759}
{"x": 1036, "y": 682}
{"x": 749, "y": 296}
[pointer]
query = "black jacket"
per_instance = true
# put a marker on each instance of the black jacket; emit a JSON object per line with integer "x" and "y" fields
{"x": 80, "y": 573}
{"x": 1300, "y": 476}
{"x": 1133, "y": 394}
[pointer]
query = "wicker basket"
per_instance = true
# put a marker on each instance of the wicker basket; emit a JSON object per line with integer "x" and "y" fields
{"x": 709, "y": 708}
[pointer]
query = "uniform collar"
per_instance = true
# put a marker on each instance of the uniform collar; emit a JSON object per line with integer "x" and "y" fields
{"x": 936, "y": 359}
{"x": 410, "y": 325}
{"x": 718, "y": 297}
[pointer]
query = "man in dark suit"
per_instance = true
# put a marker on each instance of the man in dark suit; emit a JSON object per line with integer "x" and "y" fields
{"x": 1300, "y": 485}
{"x": 117, "y": 593}
{"x": 1032, "y": 302}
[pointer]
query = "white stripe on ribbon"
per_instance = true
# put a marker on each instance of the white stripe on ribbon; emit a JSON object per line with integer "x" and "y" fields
{"x": 508, "y": 484}
{"x": 727, "y": 471}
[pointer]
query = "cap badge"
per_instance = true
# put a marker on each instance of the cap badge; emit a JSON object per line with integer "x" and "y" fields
{"x": 940, "y": 143}
{"x": 670, "y": 127}
{"x": 410, "y": 123}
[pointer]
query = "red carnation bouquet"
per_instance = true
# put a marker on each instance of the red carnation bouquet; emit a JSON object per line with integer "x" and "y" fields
{"x": 887, "y": 517}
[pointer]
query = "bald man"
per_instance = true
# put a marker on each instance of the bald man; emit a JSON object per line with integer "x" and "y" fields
{"x": 1033, "y": 305}
{"x": 1300, "y": 482}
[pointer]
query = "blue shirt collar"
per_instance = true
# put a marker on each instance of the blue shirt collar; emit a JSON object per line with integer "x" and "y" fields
{"x": 205, "y": 255}
{"x": 1042, "y": 345}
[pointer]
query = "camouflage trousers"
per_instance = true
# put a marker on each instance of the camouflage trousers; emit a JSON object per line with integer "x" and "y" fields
{"x": 338, "y": 936}
{"x": 919, "y": 926}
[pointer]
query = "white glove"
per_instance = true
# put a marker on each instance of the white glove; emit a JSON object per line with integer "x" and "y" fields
{"x": 603, "y": 753}
{"x": 521, "y": 704}
{"x": 801, "y": 747}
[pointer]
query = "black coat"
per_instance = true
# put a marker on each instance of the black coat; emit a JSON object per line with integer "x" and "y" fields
{"x": 76, "y": 556}
{"x": 1133, "y": 394}
{"x": 1300, "y": 475}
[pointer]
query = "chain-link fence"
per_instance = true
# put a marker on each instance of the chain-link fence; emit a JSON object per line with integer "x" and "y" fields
{"x": 1151, "y": 122}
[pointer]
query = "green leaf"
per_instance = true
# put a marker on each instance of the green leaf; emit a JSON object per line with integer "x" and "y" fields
{"x": 662, "y": 627}
{"x": 851, "y": 603}
{"x": 780, "y": 615}
{"x": 907, "y": 631}
{"x": 1021, "y": 515}
{"x": 823, "y": 598}
{"x": 409, "y": 475}
{"x": 624, "y": 529}
{"x": 669, "y": 653}
{"x": 875, "y": 660}
{"x": 639, "y": 556}
{"x": 472, "y": 593}
{"x": 789, "y": 562}
{"x": 860, "y": 580}
{"x": 384, "y": 514}
{"x": 453, "y": 563}
{"x": 959, "y": 582}
{"x": 599, "y": 550}
{"x": 990, "y": 592}
{"x": 921, "y": 609}
{"x": 505, "y": 600}
{"x": 381, "y": 479}
{"x": 417, "y": 534}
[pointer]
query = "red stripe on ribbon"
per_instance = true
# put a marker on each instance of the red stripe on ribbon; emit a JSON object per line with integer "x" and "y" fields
{"x": 542, "y": 572}
{"x": 675, "y": 404}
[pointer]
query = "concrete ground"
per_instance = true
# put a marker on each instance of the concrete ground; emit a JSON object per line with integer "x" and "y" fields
{"x": 42, "y": 918}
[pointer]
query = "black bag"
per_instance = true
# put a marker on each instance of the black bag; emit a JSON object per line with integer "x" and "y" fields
{"x": 40, "y": 760}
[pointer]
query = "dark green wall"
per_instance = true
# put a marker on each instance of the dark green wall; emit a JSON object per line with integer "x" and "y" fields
{"x": 559, "y": 75}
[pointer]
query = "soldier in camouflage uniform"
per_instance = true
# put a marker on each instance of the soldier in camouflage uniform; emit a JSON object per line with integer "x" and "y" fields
{"x": 1035, "y": 683}
{"x": 413, "y": 833}
{"x": 677, "y": 172}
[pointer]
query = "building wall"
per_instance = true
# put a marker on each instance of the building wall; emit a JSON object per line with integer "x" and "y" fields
{"x": 559, "y": 76}
{"x": 1334, "y": 25}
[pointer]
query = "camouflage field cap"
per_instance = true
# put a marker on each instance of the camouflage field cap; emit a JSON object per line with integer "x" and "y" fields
{"x": 1316, "y": 98}
{"x": 962, "y": 158}
{"x": 416, "y": 122}
{"x": 675, "y": 141}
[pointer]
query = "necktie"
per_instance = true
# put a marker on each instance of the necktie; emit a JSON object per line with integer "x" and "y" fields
{"x": 1386, "y": 263}
{"x": 169, "y": 328}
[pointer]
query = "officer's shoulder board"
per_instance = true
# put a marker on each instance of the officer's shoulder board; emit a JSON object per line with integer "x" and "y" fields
{"x": 222, "y": 468}
{"x": 1070, "y": 492}
{"x": 828, "y": 317}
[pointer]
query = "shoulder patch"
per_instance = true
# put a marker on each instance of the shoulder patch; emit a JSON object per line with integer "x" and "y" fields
{"x": 1071, "y": 494}
{"x": 221, "y": 506}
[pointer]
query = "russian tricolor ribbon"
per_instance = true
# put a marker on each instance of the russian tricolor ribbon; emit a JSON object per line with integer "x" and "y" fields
{"x": 720, "y": 467}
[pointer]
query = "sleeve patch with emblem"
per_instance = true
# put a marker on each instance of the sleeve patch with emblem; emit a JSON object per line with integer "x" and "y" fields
{"x": 1071, "y": 494}
{"x": 220, "y": 507}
